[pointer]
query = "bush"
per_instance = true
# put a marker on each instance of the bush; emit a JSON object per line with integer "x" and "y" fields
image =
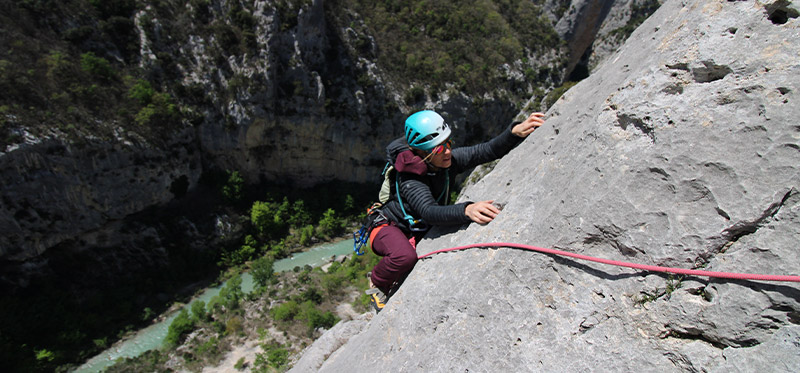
{"x": 229, "y": 296}
{"x": 234, "y": 325}
{"x": 306, "y": 235}
{"x": 299, "y": 216}
{"x": 182, "y": 325}
{"x": 262, "y": 270}
{"x": 335, "y": 266}
{"x": 330, "y": 225}
{"x": 160, "y": 111}
{"x": 208, "y": 347}
{"x": 275, "y": 356}
{"x": 199, "y": 311}
{"x": 311, "y": 295}
{"x": 316, "y": 318}
{"x": 142, "y": 92}
{"x": 332, "y": 284}
{"x": 96, "y": 66}
{"x": 286, "y": 311}
{"x": 279, "y": 250}
{"x": 232, "y": 189}
{"x": 270, "y": 218}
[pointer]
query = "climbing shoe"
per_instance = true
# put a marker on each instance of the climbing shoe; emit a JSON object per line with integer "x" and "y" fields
{"x": 376, "y": 297}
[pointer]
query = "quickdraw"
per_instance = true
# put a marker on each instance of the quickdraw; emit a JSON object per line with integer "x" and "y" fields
{"x": 361, "y": 236}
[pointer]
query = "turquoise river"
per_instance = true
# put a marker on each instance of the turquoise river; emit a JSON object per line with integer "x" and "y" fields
{"x": 153, "y": 336}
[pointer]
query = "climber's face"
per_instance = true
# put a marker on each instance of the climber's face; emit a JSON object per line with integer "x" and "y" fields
{"x": 443, "y": 158}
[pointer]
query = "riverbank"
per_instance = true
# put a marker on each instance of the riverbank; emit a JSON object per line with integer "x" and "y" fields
{"x": 151, "y": 338}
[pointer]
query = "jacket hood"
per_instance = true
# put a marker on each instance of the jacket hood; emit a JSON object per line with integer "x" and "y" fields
{"x": 404, "y": 160}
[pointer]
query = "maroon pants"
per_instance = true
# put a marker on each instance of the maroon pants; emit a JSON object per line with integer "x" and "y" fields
{"x": 399, "y": 256}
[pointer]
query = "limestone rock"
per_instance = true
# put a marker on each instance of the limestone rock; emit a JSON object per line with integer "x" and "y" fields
{"x": 591, "y": 29}
{"x": 680, "y": 150}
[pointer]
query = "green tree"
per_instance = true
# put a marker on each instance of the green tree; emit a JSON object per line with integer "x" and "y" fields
{"x": 330, "y": 225}
{"x": 262, "y": 270}
{"x": 269, "y": 218}
{"x": 349, "y": 204}
{"x": 306, "y": 235}
{"x": 182, "y": 325}
{"x": 199, "y": 311}
{"x": 229, "y": 296}
{"x": 97, "y": 66}
{"x": 232, "y": 189}
{"x": 299, "y": 215}
{"x": 142, "y": 91}
{"x": 160, "y": 111}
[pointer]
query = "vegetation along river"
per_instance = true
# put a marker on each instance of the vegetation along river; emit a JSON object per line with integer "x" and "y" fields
{"x": 153, "y": 336}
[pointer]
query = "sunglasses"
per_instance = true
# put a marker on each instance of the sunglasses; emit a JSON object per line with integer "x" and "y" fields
{"x": 442, "y": 147}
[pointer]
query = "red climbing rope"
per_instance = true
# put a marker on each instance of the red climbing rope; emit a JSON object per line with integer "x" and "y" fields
{"x": 680, "y": 271}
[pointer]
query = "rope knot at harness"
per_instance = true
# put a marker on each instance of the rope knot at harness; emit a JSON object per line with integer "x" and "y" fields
{"x": 644, "y": 267}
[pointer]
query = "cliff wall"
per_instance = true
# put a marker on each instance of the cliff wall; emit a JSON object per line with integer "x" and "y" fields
{"x": 284, "y": 93}
{"x": 679, "y": 150}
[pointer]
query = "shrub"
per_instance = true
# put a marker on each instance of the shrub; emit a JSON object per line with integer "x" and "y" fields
{"x": 311, "y": 295}
{"x": 335, "y": 266}
{"x": 208, "y": 347}
{"x": 96, "y": 66}
{"x": 332, "y": 284}
{"x": 299, "y": 216}
{"x": 229, "y": 296}
{"x": 330, "y": 225}
{"x": 239, "y": 364}
{"x": 306, "y": 235}
{"x": 160, "y": 111}
{"x": 262, "y": 270}
{"x": 182, "y": 325}
{"x": 279, "y": 250}
{"x": 45, "y": 355}
{"x": 142, "y": 92}
{"x": 232, "y": 189}
{"x": 316, "y": 318}
{"x": 234, "y": 325}
{"x": 199, "y": 311}
{"x": 286, "y": 311}
{"x": 275, "y": 356}
{"x": 269, "y": 218}
{"x": 58, "y": 64}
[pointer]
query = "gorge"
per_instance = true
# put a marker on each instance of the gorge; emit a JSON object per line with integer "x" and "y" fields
{"x": 110, "y": 170}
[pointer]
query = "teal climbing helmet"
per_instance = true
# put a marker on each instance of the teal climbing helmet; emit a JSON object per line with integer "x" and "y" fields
{"x": 425, "y": 130}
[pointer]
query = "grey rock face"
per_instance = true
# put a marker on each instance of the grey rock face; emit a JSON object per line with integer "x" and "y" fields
{"x": 682, "y": 150}
{"x": 580, "y": 24}
{"x": 590, "y": 29}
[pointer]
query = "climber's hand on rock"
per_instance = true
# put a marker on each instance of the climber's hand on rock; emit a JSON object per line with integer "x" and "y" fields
{"x": 530, "y": 124}
{"x": 482, "y": 212}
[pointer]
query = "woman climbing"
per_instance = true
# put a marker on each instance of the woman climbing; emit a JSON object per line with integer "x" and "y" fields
{"x": 425, "y": 166}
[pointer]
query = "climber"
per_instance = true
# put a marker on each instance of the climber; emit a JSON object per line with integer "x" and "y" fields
{"x": 425, "y": 167}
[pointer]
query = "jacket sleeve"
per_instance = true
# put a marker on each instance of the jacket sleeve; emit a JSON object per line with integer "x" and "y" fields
{"x": 471, "y": 156}
{"x": 419, "y": 202}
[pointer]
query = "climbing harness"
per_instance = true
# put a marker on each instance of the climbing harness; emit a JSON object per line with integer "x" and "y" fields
{"x": 362, "y": 236}
{"x": 645, "y": 267}
{"x": 375, "y": 217}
